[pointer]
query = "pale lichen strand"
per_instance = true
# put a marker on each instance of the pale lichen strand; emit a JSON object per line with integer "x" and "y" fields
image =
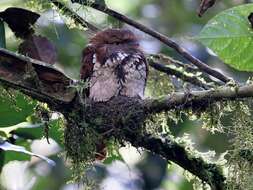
{"x": 217, "y": 119}
{"x": 240, "y": 157}
{"x": 158, "y": 83}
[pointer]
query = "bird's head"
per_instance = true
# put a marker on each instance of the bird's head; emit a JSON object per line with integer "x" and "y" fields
{"x": 115, "y": 37}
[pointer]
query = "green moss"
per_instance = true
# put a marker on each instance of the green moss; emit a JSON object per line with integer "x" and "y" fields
{"x": 237, "y": 162}
{"x": 40, "y": 5}
{"x": 80, "y": 146}
{"x": 240, "y": 173}
{"x": 158, "y": 83}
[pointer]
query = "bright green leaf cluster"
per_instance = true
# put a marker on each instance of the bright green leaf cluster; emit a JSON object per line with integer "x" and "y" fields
{"x": 230, "y": 36}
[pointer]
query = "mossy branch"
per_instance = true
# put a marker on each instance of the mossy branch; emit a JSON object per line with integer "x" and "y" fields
{"x": 123, "y": 115}
{"x": 172, "y": 151}
{"x": 197, "y": 99}
{"x": 124, "y": 119}
{"x": 188, "y": 72}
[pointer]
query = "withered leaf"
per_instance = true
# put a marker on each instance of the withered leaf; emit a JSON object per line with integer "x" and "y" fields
{"x": 250, "y": 17}
{"x": 35, "y": 75}
{"x": 40, "y": 48}
{"x": 204, "y": 6}
{"x": 20, "y": 20}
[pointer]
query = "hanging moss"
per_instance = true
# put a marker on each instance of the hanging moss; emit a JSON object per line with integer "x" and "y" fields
{"x": 240, "y": 173}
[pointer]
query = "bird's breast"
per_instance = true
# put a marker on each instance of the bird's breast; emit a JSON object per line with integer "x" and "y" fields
{"x": 121, "y": 74}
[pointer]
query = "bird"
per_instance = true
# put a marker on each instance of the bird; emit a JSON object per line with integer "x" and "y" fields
{"x": 114, "y": 65}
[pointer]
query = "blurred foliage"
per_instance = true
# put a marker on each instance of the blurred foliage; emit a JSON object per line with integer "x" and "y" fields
{"x": 228, "y": 31}
{"x": 175, "y": 18}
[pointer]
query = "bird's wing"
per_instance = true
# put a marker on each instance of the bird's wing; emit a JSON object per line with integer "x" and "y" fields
{"x": 104, "y": 83}
{"x": 136, "y": 72}
{"x": 87, "y": 62}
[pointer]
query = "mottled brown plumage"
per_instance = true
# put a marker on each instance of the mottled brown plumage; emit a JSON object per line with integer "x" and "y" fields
{"x": 114, "y": 65}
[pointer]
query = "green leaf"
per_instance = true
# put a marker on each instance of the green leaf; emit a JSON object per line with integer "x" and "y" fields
{"x": 6, "y": 146}
{"x": 2, "y": 35}
{"x": 37, "y": 131}
{"x": 230, "y": 36}
{"x": 8, "y": 130}
{"x": 14, "y": 110}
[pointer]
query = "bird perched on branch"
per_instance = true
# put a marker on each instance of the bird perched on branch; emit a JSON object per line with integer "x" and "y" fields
{"x": 114, "y": 65}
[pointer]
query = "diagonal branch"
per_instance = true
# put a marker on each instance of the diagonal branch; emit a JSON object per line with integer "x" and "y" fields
{"x": 170, "y": 60}
{"x": 78, "y": 19}
{"x": 204, "y": 6}
{"x": 176, "y": 153}
{"x": 180, "y": 74}
{"x": 201, "y": 65}
{"x": 194, "y": 80}
{"x": 36, "y": 94}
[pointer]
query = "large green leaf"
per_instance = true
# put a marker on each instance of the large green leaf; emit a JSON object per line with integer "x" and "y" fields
{"x": 230, "y": 36}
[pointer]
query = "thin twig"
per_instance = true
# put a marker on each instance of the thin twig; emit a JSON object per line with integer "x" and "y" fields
{"x": 180, "y": 74}
{"x": 168, "y": 61}
{"x": 201, "y": 65}
{"x": 74, "y": 16}
{"x": 38, "y": 95}
{"x": 192, "y": 70}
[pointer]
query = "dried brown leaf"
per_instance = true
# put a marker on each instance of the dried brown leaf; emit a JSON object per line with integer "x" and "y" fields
{"x": 40, "y": 48}
{"x": 35, "y": 75}
{"x": 20, "y": 20}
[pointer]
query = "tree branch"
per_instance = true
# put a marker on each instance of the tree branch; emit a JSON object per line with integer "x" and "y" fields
{"x": 202, "y": 66}
{"x": 118, "y": 115}
{"x": 169, "y": 60}
{"x": 124, "y": 119}
{"x": 176, "y": 153}
{"x": 191, "y": 79}
{"x": 195, "y": 99}
{"x": 180, "y": 74}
